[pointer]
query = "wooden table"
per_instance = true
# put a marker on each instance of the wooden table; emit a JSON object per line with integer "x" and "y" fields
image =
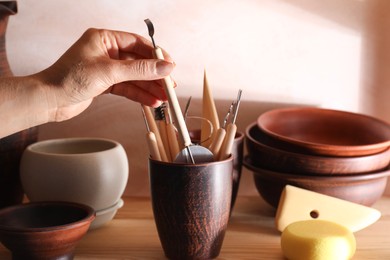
{"x": 250, "y": 235}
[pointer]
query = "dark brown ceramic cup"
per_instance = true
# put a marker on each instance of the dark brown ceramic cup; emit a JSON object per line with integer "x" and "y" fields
{"x": 238, "y": 155}
{"x": 191, "y": 206}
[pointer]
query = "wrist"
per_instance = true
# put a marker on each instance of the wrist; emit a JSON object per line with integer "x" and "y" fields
{"x": 44, "y": 91}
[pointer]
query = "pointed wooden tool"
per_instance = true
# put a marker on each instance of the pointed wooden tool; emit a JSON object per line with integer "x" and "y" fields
{"x": 209, "y": 112}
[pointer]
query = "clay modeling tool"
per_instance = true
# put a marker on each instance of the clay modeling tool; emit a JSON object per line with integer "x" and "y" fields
{"x": 231, "y": 131}
{"x": 159, "y": 116}
{"x": 191, "y": 153}
{"x": 151, "y": 140}
{"x": 216, "y": 144}
{"x": 297, "y": 204}
{"x": 153, "y": 128}
{"x": 209, "y": 111}
{"x": 187, "y": 108}
{"x": 171, "y": 134}
{"x": 185, "y": 115}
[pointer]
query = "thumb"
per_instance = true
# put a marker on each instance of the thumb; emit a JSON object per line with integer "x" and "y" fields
{"x": 143, "y": 69}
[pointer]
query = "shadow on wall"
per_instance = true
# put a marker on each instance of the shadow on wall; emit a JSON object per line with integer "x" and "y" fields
{"x": 375, "y": 71}
{"x": 371, "y": 19}
{"x": 348, "y": 13}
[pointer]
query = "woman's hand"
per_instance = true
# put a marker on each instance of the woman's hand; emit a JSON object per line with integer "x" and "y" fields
{"x": 104, "y": 61}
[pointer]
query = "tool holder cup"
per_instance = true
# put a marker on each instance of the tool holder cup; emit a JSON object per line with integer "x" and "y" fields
{"x": 191, "y": 206}
{"x": 238, "y": 154}
{"x": 238, "y": 157}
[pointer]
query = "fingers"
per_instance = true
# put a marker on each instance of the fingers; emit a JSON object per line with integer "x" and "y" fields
{"x": 123, "y": 64}
{"x": 148, "y": 93}
{"x": 144, "y": 69}
{"x": 117, "y": 42}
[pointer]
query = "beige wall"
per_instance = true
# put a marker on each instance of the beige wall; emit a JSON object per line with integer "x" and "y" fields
{"x": 333, "y": 54}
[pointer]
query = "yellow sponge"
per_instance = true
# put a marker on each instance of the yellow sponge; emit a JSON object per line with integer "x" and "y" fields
{"x": 317, "y": 240}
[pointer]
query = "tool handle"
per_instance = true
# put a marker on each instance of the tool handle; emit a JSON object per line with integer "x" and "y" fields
{"x": 227, "y": 145}
{"x": 216, "y": 144}
{"x": 153, "y": 128}
{"x": 172, "y": 140}
{"x": 152, "y": 144}
{"x": 164, "y": 138}
{"x": 209, "y": 112}
{"x": 174, "y": 104}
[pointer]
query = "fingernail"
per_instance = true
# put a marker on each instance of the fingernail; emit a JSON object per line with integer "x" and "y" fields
{"x": 158, "y": 103}
{"x": 164, "y": 67}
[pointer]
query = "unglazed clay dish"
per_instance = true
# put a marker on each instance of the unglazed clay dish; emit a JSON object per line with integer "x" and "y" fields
{"x": 326, "y": 131}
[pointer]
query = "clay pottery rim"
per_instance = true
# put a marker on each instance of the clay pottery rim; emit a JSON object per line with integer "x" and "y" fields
{"x": 62, "y": 145}
{"x": 88, "y": 218}
{"x": 272, "y": 175}
{"x": 346, "y": 165}
{"x": 281, "y": 124}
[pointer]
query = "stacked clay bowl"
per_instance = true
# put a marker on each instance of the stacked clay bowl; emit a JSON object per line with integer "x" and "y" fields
{"x": 337, "y": 153}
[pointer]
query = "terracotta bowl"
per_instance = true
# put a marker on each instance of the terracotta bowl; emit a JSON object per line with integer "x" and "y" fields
{"x": 269, "y": 153}
{"x": 327, "y": 132}
{"x": 44, "y": 230}
{"x": 363, "y": 189}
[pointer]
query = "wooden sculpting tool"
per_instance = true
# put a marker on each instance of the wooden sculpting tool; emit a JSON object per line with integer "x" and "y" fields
{"x": 153, "y": 128}
{"x": 209, "y": 112}
{"x": 191, "y": 153}
{"x": 151, "y": 140}
{"x": 216, "y": 144}
{"x": 231, "y": 131}
{"x": 171, "y": 135}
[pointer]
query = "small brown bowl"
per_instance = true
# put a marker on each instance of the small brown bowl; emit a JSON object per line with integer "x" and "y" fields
{"x": 327, "y": 132}
{"x": 269, "y": 153}
{"x": 364, "y": 189}
{"x": 44, "y": 230}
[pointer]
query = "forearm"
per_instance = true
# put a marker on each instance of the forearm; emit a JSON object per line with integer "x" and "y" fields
{"x": 23, "y": 104}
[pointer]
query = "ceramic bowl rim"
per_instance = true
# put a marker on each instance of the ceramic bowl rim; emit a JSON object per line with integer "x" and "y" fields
{"x": 88, "y": 218}
{"x": 265, "y": 173}
{"x": 308, "y": 156}
{"x": 32, "y": 148}
{"x": 112, "y": 208}
{"x": 328, "y": 149}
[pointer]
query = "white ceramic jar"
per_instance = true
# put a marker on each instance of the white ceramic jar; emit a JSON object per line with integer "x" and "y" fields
{"x": 91, "y": 171}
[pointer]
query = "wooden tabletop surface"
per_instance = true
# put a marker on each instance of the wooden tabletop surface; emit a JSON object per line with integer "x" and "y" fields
{"x": 250, "y": 235}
